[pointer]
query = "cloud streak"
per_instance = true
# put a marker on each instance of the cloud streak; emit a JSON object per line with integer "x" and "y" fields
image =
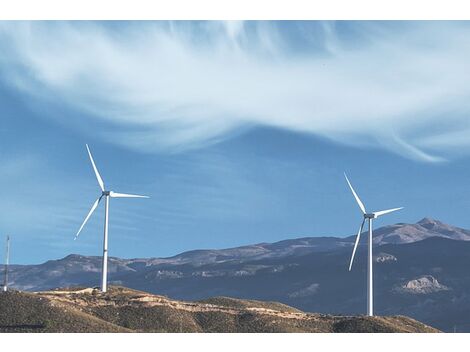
{"x": 402, "y": 87}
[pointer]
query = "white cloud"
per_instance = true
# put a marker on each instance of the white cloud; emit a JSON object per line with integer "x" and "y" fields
{"x": 181, "y": 85}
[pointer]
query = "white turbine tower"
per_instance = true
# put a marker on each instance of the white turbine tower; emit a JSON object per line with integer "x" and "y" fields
{"x": 106, "y": 194}
{"x": 7, "y": 262}
{"x": 369, "y": 217}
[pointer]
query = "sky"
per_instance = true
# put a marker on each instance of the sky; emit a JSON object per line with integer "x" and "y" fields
{"x": 238, "y": 131}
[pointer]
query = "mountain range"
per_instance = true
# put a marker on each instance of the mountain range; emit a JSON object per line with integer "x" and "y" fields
{"x": 421, "y": 271}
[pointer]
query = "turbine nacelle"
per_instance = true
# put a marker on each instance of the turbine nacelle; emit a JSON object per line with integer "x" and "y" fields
{"x": 370, "y": 216}
{"x": 376, "y": 214}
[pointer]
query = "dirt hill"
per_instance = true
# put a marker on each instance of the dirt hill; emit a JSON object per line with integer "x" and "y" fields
{"x": 126, "y": 310}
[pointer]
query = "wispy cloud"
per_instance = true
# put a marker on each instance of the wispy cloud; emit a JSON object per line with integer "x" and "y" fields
{"x": 181, "y": 85}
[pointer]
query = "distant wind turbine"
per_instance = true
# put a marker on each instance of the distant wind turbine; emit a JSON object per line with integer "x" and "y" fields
{"x": 107, "y": 195}
{"x": 369, "y": 217}
{"x": 7, "y": 262}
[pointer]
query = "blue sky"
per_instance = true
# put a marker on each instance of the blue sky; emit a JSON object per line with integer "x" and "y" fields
{"x": 239, "y": 131}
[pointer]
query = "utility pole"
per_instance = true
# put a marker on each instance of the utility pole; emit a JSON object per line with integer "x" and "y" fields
{"x": 7, "y": 262}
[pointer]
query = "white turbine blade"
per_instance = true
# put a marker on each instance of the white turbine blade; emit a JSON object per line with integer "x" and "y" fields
{"x": 355, "y": 244}
{"x": 356, "y": 196}
{"x": 98, "y": 177}
{"x": 93, "y": 207}
{"x": 378, "y": 213}
{"x": 124, "y": 195}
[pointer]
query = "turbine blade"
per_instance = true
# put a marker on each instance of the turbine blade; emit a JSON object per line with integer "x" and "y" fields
{"x": 93, "y": 207}
{"x": 355, "y": 244}
{"x": 124, "y": 195}
{"x": 98, "y": 177}
{"x": 355, "y": 195}
{"x": 378, "y": 213}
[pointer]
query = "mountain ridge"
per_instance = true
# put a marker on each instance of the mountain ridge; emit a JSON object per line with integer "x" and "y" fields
{"x": 389, "y": 234}
{"x": 75, "y": 266}
{"x": 126, "y": 310}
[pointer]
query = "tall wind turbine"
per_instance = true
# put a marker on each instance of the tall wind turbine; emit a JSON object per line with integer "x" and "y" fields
{"x": 7, "y": 262}
{"x": 106, "y": 194}
{"x": 369, "y": 217}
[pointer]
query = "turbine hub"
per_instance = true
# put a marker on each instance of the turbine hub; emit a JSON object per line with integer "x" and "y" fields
{"x": 106, "y": 193}
{"x": 370, "y": 216}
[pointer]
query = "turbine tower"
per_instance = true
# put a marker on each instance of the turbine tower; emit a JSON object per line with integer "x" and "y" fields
{"x": 7, "y": 262}
{"x": 369, "y": 217}
{"x": 106, "y": 194}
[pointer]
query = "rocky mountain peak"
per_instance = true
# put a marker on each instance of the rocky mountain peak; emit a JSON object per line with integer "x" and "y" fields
{"x": 430, "y": 223}
{"x": 74, "y": 257}
{"x": 425, "y": 228}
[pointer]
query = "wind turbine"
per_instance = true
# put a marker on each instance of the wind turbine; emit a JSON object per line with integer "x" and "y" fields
{"x": 7, "y": 262}
{"x": 106, "y": 194}
{"x": 369, "y": 217}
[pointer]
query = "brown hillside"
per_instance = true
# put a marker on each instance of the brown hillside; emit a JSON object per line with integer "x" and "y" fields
{"x": 126, "y": 310}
